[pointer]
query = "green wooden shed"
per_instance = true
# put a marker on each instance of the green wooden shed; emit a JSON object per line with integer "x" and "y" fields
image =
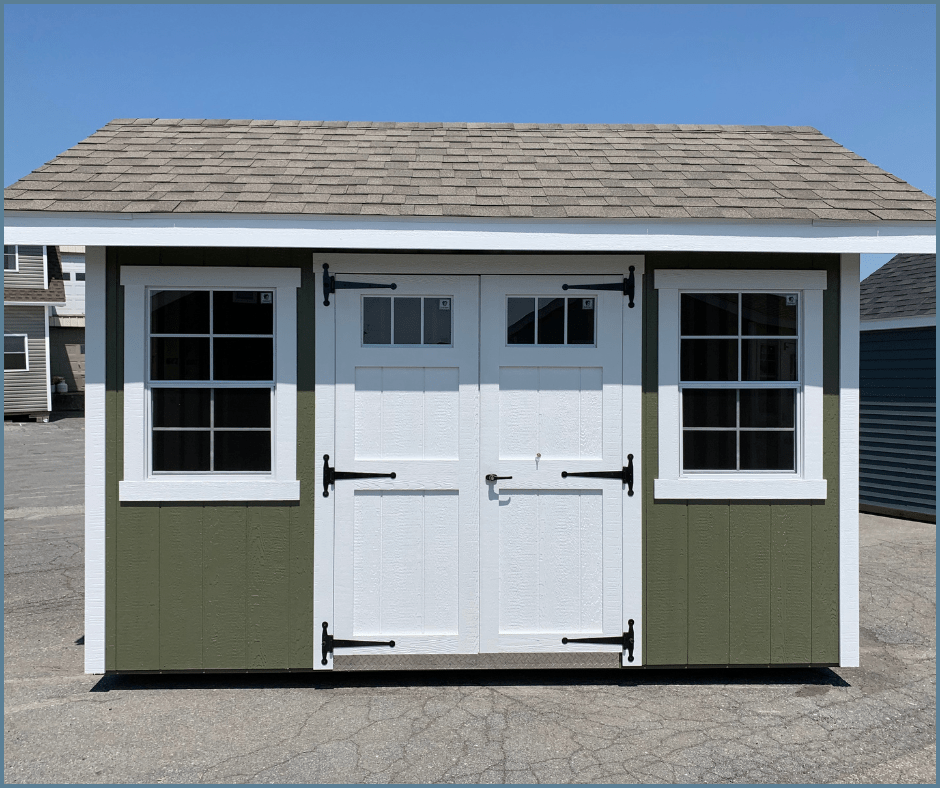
{"x": 363, "y": 396}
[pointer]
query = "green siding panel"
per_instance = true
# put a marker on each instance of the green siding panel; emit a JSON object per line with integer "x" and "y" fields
{"x": 210, "y": 586}
{"x": 741, "y": 582}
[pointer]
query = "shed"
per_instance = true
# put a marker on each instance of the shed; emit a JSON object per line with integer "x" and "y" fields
{"x": 32, "y": 285}
{"x": 402, "y": 395}
{"x": 898, "y": 472}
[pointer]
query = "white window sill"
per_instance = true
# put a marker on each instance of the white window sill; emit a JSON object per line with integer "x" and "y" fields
{"x": 752, "y": 488}
{"x": 207, "y": 489}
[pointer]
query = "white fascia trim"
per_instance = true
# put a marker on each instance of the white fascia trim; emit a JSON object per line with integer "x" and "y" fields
{"x": 282, "y": 485}
{"x": 95, "y": 335}
{"x": 34, "y": 303}
{"x": 848, "y": 463}
{"x": 466, "y": 234}
{"x": 672, "y": 485}
{"x": 917, "y": 321}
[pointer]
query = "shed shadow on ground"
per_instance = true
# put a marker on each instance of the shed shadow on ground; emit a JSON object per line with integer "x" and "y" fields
{"x": 711, "y": 677}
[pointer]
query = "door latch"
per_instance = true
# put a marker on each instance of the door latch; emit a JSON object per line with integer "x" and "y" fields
{"x": 492, "y": 477}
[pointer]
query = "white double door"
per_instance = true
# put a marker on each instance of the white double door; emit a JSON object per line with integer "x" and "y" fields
{"x": 443, "y": 381}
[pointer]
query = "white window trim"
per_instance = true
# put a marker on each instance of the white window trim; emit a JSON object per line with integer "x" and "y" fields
{"x": 808, "y": 483}
{"x": 26, "y": 351}
{"x": 281, "y": 484}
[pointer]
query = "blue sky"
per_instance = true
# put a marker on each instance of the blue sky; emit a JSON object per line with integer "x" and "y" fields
{"x": 864, "y": 75}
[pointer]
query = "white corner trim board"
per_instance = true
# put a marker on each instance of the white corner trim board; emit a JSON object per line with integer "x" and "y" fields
{"x": 893, "y": 323}
{"x": 672, "y": 483}
{"x": 138, "y": 484}
{"x": 848, "y": 464}
{"x": 95, "y": 311}
{"x": 466, "y": 234}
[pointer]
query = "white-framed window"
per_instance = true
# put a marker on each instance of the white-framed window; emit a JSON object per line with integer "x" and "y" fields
{"x": 10, "y": 261}
{"x": 407, "y": 321}
{"x": 15, "y": 353}
{"x": 210, "y": 368}
{"x": 740, "y": 384}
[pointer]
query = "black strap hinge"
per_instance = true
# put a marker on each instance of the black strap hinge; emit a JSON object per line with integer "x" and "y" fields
{"x": 330, "y": 285}
{"x": 628, "y": 286}
{"x": 625, "y": 641}
{"x": 328, "y": 643}
{"x": 331, "y": 475}
{"x": 625, "y": 474}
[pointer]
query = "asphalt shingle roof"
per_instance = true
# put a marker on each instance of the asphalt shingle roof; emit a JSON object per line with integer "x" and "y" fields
{"x": 468, "y": 169}
{"x": 905, "y": 286}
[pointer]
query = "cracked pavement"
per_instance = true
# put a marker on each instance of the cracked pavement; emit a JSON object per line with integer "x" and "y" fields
{"x": 874, "y": 724}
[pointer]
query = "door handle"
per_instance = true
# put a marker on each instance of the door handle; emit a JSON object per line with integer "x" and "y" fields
{"x": 492, "y": 477}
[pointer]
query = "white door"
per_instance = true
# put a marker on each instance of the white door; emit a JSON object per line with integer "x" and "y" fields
{"x": 406, "y": 402}
{"x": 552, "y": 402}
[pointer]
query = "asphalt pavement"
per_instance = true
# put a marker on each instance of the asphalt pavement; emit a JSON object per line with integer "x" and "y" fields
{"x": 874, "y": 724}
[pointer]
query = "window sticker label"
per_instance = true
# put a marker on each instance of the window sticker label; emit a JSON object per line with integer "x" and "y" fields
{"x": 443, "y": 304}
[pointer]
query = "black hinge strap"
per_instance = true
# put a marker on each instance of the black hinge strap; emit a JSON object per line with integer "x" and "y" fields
{"x": 328, "y": 643}
{"x": 330, "y": 285}
{"x": 625, "y": 474}
{"x": 331, "y": 475}
{"x": 628, "y": 286}
{"x": 625, "y": 641}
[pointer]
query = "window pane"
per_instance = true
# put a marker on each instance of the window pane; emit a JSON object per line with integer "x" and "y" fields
{"x": 767, "y": 314}
{"x": 179, "y": 358}
{"x": 767, "y": 407}
{"x": 243, "y": 312}
{"x": 242, "y": 451}
{"x": 768, "y": 359}
{"x": 709, "y": 314}
{"x": 66, "y": 276}
{"x": 551, "y": 325}
{"x": 181, "y": 407}
{"x": 709, "y": 408}
{"x": 30, "y": 251}
{"x": 179, "y": 312}
{"x": 708, "y": 451}
{"x": 243, "y": 407}
{"x": 376, "y": 321}
{"x": 243, "y": 359}
{"x": 767, "y": 451}
{"x": 180, "y": 451}
{"x": 581, "y": 321}
{"x": 437, "y": 312}
{"x": 14, "y": 344}
{"x": 9, "y": 258}
{"x": 407, "y": 313}
{"x": 709, "y": 359}
{"x": 80, "y": 276}
{"x": 521, "y": 321}
{"x": 14, "y": 361}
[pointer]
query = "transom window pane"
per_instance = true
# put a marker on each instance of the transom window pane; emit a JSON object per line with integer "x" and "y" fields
{"x": 748, "y": 339}
{"x": 220, "y": 337}
{"x": 407, "y": 320}
{"x": 550, "y": 321}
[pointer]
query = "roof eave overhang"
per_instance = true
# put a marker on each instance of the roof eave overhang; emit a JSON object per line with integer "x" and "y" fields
{"x": 466, "y": 234}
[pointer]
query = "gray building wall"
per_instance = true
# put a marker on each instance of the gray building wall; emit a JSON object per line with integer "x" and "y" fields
{"x": 27, "y": 392}
{"x": 898, "y": 429}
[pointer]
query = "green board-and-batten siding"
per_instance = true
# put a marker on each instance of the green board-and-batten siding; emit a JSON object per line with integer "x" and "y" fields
{"x": 209, "y": 586}
{"x": 741, "y": 582}
{"x": 230, "y": 586}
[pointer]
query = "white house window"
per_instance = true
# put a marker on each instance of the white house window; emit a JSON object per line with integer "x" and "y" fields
{"x": 739, "y": 376}
{"x": 222, "y": 337}
{"x": 210, "y": 366}
{"x": 9, "y": 258}
{"x": 740, "y": 384}
{"x": 12, "y": 255}
{"x": 15, "y": 353}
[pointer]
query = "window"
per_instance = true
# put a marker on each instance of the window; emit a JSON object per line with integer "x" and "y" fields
{"x": 79, "y": 276}
{"x": 13, "y": 255}
{"x": 66, "y": 276}
{"x": 15, "y": 353}
{"x": 550, "y": 321}
{"x": 210, "y": 384}
{"x": 740, "y": 384}
{"x": 407, "y": 320}
{"x": 9, "y": 258}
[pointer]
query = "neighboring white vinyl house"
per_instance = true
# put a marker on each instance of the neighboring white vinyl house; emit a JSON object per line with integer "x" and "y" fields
{"x": 32, "y": 285}
{"x": 67, "y": 323}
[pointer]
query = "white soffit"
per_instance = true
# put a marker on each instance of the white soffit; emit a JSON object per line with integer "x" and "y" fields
{"x": 325, "y": 232}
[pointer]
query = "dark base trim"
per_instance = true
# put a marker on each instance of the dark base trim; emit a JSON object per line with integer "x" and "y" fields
{"x": 900, "y": 514}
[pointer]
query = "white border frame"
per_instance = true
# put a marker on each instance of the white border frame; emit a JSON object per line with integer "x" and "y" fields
{"x": 16, "y": 259}
{"x": 671, "y": 484}
{"x": 282, "y": 483}
{"x": 25, "y": 349}
{"x": 848, "y": 461}
{"x": 95, "y": 349}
